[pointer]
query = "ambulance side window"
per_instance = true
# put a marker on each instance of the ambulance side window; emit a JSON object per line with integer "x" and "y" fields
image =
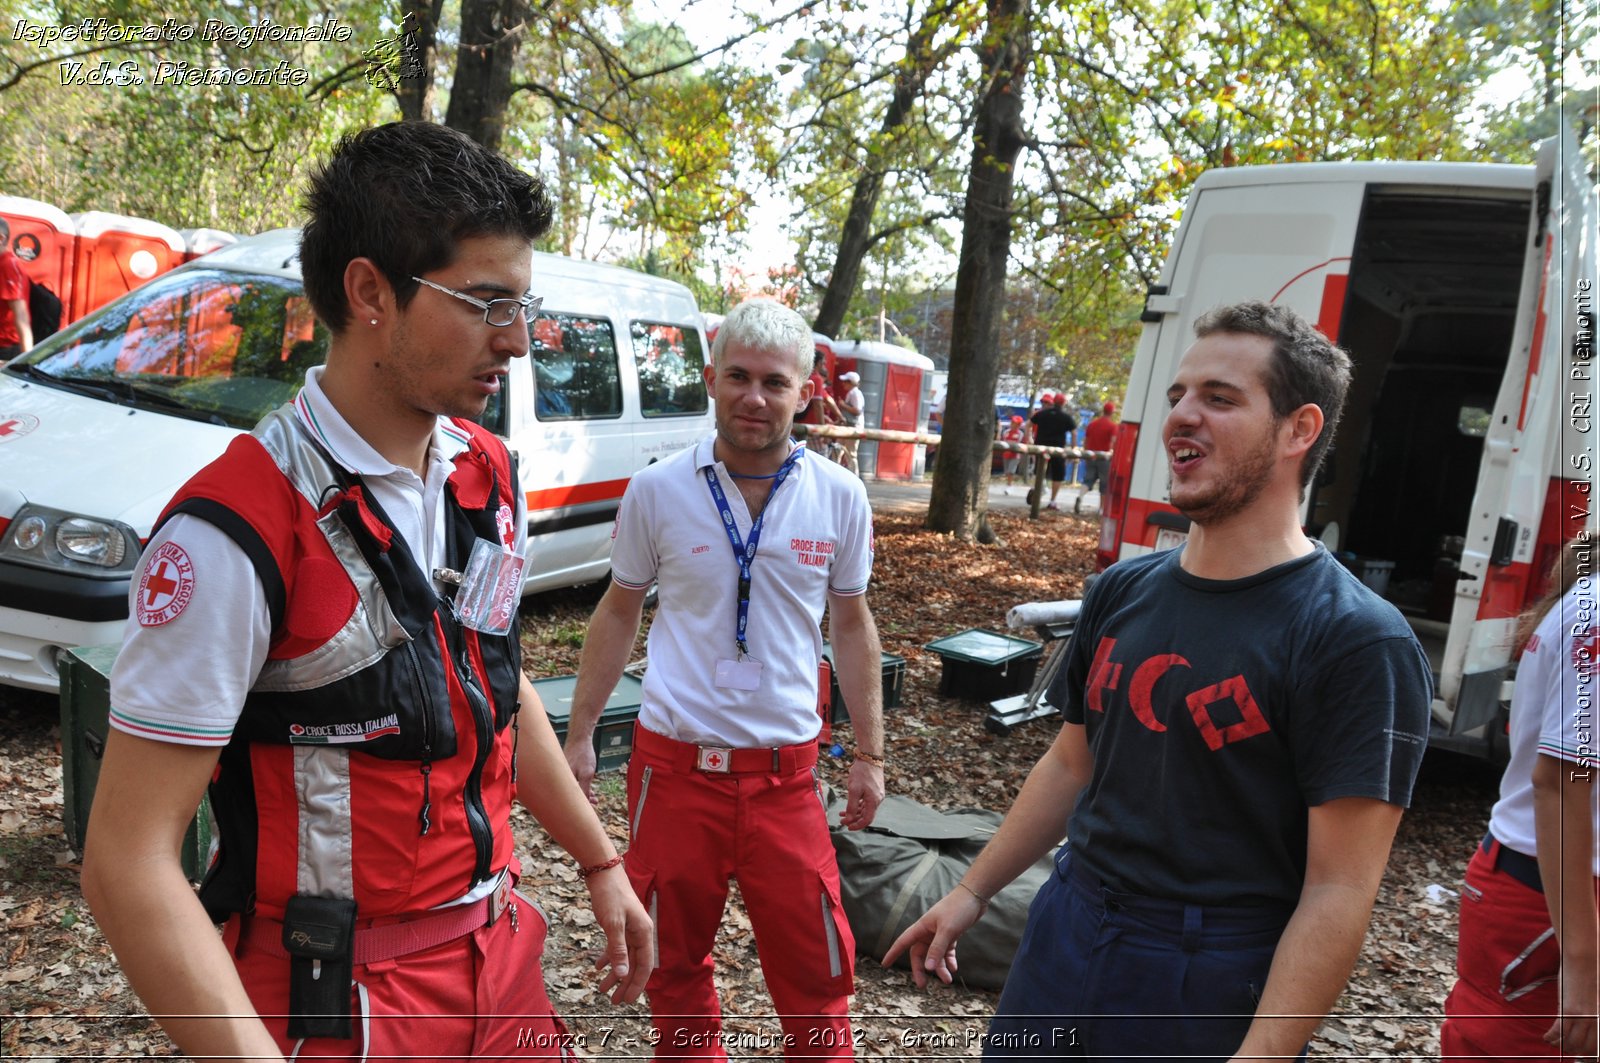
{"x": 576, "y": 376}
{"x": 671, "y": 365}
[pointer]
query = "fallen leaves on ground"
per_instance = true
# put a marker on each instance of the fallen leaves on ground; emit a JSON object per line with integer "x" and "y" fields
{"x": 61, "y": 993}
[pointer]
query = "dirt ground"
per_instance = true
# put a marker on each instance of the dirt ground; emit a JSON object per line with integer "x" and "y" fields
{"x": 61, "y": 995}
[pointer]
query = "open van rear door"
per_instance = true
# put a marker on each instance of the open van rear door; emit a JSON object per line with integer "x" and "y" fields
{"x": 1279, "y": 234}
{"x": 1539, "y": 453}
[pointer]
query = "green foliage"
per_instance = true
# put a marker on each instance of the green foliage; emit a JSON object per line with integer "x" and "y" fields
{"x": 150, "y": 143}
{"x": 650, "y": 140}
{"x": 843, "y": 125}
{"x": 1140, "y": 97}
{"x": 659, "y": 148}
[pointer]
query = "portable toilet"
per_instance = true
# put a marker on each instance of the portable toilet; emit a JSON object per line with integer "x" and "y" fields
{"x": 116, "y": 254}
{"x": 197, "y": 242}
{"x": 891, "y": 380}
{"x": 45, "y": 240}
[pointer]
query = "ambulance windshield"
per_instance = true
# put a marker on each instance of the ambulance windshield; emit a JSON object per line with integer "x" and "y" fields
{"x": 210, "y": 344}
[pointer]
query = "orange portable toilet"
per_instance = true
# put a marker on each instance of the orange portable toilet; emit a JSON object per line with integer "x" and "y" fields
{"x": 197, "y": 242}
{"x": 116, "y": 254}
{"x": 892, "y": 382}
{"x": 902, "y": 406}
{"x": 45, "y": 239}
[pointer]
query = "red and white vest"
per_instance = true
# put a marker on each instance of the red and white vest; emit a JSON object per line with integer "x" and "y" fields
{"x": 373, "y": 758}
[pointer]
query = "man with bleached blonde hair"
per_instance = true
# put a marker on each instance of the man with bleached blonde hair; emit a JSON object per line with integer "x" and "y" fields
{"x": 749, "y": 537}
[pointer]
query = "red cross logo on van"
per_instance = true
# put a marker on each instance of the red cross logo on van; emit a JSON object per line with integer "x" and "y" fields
{"x": 1105, "y": 674}
{"x": 16, "y": 425}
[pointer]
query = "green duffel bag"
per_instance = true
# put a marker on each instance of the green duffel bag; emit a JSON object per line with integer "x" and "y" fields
{"x": 911, "y": 856}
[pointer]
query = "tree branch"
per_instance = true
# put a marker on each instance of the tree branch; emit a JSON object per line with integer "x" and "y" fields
{"x": 24, "y": 69}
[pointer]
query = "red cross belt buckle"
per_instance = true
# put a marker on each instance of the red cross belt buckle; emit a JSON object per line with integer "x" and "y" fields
{"x": 499, "y": 899}
{"x": 714, "y": 758}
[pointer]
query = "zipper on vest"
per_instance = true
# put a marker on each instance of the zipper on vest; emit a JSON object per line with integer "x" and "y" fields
{"x": 424, "y": 817}
{"x": 483, "y": 717}
{"x": 516, "y": 736}
{"x": 427, "y": 803}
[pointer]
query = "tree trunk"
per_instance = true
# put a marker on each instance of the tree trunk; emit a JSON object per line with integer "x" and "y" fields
{"x": 492, "y": 32}
{"x": 918, "y": 65}
{"x": 959, "y": 503}
{"x": 419, "y": 19}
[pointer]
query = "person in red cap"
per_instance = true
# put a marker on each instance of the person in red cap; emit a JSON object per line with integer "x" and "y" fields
{"x": 1014, "y": 433}
{"x": 1047, "y": 399}
{"x": 1098, "y": 437}
{"x": 1051, "y": 427}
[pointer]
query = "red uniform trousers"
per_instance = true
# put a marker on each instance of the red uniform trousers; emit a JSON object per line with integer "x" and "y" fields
{"x": 1507, "y": 993}
{"x": 478, "y": 997}
{"x": 692, "y": 832}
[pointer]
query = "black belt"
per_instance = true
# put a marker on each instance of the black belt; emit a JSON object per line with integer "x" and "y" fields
{"x": 1520, "y": 866}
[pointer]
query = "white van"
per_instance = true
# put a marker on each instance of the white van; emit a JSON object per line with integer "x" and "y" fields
{"x": 1465, "y": 296}
{"x": 102, "y": 422}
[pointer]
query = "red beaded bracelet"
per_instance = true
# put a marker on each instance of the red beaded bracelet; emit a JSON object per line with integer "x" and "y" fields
{"x": 585, "y": 872}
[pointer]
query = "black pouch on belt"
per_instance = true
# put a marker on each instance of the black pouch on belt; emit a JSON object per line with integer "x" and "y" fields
{"x": 319, "y": 934}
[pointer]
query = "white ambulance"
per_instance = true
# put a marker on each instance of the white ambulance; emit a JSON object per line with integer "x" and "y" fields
{"x": 1465, "y": 294}
{"x": 102, "y": 422}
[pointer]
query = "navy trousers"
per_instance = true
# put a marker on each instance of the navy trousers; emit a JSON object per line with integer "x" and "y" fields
{"x": 1112, "y": 976}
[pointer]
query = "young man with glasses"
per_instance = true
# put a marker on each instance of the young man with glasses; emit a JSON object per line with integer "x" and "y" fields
{"x": 300, "y": 641}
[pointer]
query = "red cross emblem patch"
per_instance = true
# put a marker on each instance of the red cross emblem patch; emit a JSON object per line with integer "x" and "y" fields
{"x": 714, "y": 759}
{"x": 166, "y": 585}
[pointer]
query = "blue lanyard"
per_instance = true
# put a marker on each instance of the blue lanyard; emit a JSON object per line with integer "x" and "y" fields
{"x": 745, "y": 552}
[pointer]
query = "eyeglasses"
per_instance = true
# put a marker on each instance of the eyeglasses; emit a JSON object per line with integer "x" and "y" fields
{"x": 496, "y": 312}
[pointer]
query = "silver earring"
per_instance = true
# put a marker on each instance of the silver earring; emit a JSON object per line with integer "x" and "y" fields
{"x": 374, "y": 321}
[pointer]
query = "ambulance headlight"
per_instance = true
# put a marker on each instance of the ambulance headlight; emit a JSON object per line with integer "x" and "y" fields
{"x": 30, "y": 533}
{"x": 49, "y": 538}
{"x": 94, "y": 541}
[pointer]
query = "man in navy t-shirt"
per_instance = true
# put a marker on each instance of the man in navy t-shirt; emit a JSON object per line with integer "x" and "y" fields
{"x": 1244, "y": 723}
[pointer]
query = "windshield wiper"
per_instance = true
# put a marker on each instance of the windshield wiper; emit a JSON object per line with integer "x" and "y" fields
{"x": 93, "y": 388}
{"x": 157, "y": 397}
{"x": 121, "y": 392}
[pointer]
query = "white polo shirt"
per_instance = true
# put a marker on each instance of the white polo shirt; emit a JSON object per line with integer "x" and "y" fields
{"x": 1553, "y": 711}
{"x": 184, "y": 669}
{"x": 816, "y": 537}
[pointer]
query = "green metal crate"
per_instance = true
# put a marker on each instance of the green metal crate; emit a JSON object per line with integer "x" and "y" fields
{"x": 981, "y": 665}
{"x": 894, "y": 678}
{"x": 613, "y": 735}
{"x": 85, "y": 709}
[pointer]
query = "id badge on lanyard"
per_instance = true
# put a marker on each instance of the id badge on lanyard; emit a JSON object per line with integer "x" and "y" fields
{"x": 490, "y": 588}
{"x": 743, "y": 672}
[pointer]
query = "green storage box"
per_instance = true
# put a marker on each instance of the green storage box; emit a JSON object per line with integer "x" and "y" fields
{"x": 613, "y": 735}
{"x": 894, "y": 678}
{"x": 85, "y": 708}
{"x": 983, "y": 665}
